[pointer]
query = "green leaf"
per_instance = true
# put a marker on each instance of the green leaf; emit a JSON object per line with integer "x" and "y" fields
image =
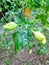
{"x": 39, "y": 52}
{"x": 18, "y": 45}
{"x": 15, "y": 43}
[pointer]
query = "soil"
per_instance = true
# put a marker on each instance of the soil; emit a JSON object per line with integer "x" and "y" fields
{"x": 22, "y": 58}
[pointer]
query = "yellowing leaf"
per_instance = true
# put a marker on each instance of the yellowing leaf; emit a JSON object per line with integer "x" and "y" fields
{"x": 30, "y": 51}
{"x": 38, "y": 35}
{"x": 10, "y": 26}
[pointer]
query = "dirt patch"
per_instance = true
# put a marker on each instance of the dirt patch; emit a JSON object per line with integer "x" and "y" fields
{"x": 23, "y": 58}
